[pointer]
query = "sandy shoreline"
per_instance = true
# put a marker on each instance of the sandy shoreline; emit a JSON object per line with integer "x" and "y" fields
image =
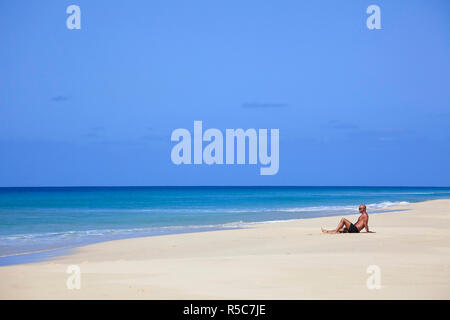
{"x": 282, "y": 260}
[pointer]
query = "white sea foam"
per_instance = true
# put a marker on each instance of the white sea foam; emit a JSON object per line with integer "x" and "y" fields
{"x": 118, "y": 232}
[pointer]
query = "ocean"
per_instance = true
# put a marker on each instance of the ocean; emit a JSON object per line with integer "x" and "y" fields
{"x": 36, "y": 223}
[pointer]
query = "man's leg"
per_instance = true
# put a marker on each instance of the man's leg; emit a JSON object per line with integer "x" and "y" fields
{"x": 344, "y": 223}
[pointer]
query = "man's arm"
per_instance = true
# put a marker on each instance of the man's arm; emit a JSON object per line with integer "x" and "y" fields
{"x": 366, "y": 225}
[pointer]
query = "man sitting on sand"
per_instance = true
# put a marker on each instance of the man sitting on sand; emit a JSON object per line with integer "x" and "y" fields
{"x": 346, "y": 226}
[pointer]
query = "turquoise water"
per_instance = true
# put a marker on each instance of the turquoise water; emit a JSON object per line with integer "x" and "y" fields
{"x": 36, "y": 219}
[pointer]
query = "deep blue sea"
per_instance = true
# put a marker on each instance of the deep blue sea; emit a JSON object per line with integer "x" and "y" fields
{"x": 45, "y": 219}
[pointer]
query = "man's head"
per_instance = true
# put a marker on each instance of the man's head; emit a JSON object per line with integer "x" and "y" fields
{"x": 362, "y": 208}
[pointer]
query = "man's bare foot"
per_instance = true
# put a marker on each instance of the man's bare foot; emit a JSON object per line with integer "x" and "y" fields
{"x": 323, "y": 230}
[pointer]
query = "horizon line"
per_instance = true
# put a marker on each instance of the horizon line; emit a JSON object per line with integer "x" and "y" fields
{"x": 227, "y": 186}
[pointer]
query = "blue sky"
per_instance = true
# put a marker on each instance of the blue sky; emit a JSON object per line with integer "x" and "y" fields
{"x": 97, "y": 106}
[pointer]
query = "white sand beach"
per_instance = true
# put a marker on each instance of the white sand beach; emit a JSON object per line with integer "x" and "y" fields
{"x": 281, "y": 260}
